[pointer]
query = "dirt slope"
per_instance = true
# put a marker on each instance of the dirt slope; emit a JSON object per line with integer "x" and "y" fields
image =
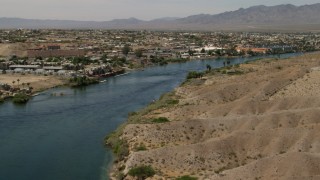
{"x": 262, "y": 124}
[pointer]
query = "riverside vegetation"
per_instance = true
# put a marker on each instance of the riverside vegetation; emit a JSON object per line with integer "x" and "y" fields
{"x": 82, "y": 81}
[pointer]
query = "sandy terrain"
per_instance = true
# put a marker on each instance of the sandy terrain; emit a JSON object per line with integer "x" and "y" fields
{"x": 18, "y": 49}
{"x": 39, "y": 83}
{"x": 263, "y": 124}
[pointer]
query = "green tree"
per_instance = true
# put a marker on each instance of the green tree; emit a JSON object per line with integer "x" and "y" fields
{"x": 20, "y": 98}
{"x": 250, "y": 52}
{"x": 104, "y": 58}
{"x": 219, "y": 52}
{"x": 208, "y": 67}
{"x": 191, "y": 52}
{"x": 210, "y": 52}
{"x": 139, "y": 53}
{"x": 126, "y": 49}
{"x": 18, "y": 80}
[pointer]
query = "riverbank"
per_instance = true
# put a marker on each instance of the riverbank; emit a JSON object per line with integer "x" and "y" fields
{"x": 249, "y": 121}
{"x": 33, "y": 84}
{"x": 26, "y": 85}
{"x": 39, "y": 83}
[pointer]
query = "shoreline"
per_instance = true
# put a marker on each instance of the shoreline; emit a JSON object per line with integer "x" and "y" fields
{"x": 43, "y": 84}
{"x": 139, "y": 124}
{"x": 63, "y": 81}
{"x": 40, "y": 83}
{"x": 23, "y": 83}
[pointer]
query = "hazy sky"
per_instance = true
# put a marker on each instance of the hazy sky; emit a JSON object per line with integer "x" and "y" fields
{"x": 101, "y": 10}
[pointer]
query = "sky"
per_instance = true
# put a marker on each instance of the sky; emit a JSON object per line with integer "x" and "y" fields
{"x": 104, "y": 10}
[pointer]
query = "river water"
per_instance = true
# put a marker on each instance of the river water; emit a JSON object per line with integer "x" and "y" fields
{"x": 61, "y": 138}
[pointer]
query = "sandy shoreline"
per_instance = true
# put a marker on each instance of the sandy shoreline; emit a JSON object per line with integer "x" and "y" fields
{"x": 249, "y": 125}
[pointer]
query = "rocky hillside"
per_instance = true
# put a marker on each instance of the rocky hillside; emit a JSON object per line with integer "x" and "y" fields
{"x": 256, "y": 121}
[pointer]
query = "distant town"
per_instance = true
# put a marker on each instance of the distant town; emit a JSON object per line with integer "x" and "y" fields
{"x": 104, "y": 53}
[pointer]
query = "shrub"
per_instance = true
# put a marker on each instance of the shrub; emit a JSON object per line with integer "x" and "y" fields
{"x": 194, "y": 74}
{"x": 186, "y": 178}
{"x": 20, "y": 98}
{"x": 142, "y": 172}
{"x": 142, "y": 147}
{"x": 160, "y": 120}
{"x": 172, "y": 101}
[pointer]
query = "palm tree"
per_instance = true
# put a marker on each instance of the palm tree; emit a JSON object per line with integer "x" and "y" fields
{"x": 18, "y": 80}
{"x": 23, "y": 85}
{"x": 13, "y": 82}
{"x": 28, "y": 84}
{"x": 208, "y": 67}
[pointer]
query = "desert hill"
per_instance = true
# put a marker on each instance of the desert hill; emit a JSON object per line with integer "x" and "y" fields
{"x": 256, "y": 121}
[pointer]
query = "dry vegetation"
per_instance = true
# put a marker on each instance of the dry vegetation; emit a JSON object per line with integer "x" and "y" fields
{"x": 262, "y": 123}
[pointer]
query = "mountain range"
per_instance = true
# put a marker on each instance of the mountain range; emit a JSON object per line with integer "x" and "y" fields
{"x": 257, "y": 18}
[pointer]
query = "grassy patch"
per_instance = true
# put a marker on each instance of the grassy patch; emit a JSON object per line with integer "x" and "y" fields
{"x": 186, "y": 178}
{"x": 141, "y": 147}
{"x": 160, "y": 120}
{"x": 172, "y": 101}
{"x": 142, "y": 172}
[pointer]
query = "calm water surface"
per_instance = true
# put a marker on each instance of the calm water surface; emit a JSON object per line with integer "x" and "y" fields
{"x": 57, "y": 138}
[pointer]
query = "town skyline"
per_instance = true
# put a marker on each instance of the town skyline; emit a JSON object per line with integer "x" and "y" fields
{"x": 99, "y": 10}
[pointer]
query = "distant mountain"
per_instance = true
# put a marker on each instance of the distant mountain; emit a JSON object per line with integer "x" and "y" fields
{"x": 121, "y": 22}
{"x": 256, "y": 18}
{"x": 282, "y": 14}
{"x": 166, "y": 19}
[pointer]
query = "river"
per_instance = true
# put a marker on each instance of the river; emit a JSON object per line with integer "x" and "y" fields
{"x": 57, "y": 138}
